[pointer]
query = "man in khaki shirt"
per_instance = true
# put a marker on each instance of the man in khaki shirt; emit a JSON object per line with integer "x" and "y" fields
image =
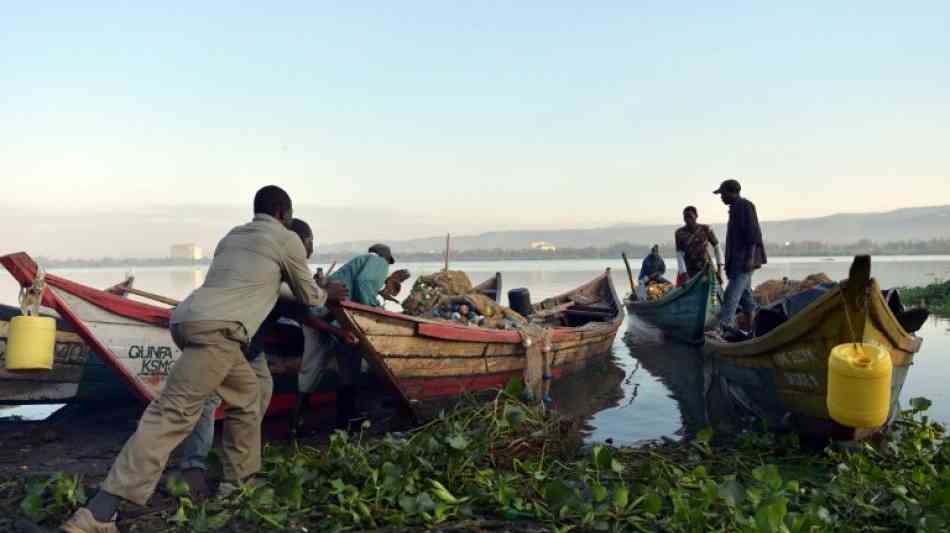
{"x": 213, "y": 327}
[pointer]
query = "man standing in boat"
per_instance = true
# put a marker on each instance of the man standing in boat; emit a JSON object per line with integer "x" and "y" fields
{"x": 212, "y": 327}
{"x": 745, "y": 253}
{"x": 364, "y": 276}
{"x": 692, "y": 247}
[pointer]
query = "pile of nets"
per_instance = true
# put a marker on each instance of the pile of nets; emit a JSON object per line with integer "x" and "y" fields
{"x": 449, "y": 295}
{"x": 774, "y": 290}
{"x": 655, "y": 291}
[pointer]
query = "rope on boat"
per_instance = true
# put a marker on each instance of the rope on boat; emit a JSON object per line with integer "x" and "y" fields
{"x": 847, "y": 316}
{"x": 31, "y": 297}
{"x": 537, "y": 369}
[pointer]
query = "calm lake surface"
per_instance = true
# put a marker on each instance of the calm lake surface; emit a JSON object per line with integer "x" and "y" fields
{"x": 630, "y": 397}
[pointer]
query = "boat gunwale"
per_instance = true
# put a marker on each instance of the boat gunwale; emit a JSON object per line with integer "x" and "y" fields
{"x": 791, "y": 330}
{"x": 432, "y": 328}
{"x": 675, "y": 294}
{"x": 24, "y": 269}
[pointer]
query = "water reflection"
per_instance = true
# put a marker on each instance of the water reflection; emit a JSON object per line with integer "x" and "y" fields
{"x": 185, "y": 281}
{"x": 588, "y": 391}
{"x": 678, "y": 367}
{"x": 708, "y": 392}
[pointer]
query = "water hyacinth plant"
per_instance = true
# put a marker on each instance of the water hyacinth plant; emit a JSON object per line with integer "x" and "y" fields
{"x": 505, "y": 462}
{"x": 935, "y": 296}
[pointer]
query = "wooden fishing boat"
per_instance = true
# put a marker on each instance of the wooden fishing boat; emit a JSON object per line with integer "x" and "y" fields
{"x": 77, "y": 373}
{"x": 436, "y": 361}
{"x": 685, "y": 312}
{"x": 128, "y": 345}
{"x": 791, "y": 361}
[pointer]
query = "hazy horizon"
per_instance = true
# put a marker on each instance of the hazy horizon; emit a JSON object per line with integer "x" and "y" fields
{"x": 420, "y": 118}
{"x": 148, "y": 232}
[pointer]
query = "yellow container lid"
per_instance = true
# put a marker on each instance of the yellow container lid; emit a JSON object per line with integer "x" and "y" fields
{"x": 860, "y": 360}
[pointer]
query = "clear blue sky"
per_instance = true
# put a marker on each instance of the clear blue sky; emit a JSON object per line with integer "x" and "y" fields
{"x": 480, "y": 114}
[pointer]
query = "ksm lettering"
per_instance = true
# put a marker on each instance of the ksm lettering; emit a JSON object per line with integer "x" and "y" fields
{"x": 156, "y": 360}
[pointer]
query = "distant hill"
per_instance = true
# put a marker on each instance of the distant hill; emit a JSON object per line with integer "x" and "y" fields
{"x": 917, "y": 223}
{"x": 149, "y": 232}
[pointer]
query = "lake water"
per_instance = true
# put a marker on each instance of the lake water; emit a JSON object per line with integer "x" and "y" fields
{"x": 630, "y": 397}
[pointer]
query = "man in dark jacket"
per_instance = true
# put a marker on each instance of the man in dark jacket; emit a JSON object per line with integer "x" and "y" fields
{"x": 745, "y": 252}
{"x": 653, "y": 267}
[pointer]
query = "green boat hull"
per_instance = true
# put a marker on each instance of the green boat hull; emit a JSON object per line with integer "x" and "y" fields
{"x": 686, "y": 312}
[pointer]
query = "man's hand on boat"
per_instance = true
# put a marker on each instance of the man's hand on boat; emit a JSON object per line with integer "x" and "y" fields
{"x": 349, "y": 337}
{"x": 336, "y": 292}
{"x": 400, "y": 275}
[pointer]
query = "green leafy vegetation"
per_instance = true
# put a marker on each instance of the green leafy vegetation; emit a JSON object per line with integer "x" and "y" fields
{"x": 508, "y": 461}
{"x": 52, "y": 496}
{"x": 935, "y": 296}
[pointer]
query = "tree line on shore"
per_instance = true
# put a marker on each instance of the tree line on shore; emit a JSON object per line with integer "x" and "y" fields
{"x": 633, "y": 250}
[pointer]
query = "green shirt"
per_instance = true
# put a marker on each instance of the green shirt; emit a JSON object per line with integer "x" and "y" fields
{"x": 365, "y": 276}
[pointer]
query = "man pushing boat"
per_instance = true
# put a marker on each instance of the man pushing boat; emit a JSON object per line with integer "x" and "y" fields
{"x": 213, "y": 327}
{"x": 365, "y": 276}
{"x": 195, "y": 448}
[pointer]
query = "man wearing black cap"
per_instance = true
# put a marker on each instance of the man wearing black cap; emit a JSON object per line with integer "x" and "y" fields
{"x": 745, "y": 252}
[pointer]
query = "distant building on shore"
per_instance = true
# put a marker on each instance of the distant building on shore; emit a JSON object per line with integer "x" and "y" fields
{"x": 188, "y": 252}
{"x": 543, "y": 246}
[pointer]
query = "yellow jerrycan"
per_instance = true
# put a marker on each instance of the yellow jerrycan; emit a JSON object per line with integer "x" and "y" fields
{"x": 30, "y": 343}
{"x": 859, "y": 385}
{"x": 31, "y": 338}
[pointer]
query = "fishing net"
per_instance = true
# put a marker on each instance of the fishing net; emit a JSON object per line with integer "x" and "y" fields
{"x": 774, "y": 290}
{"x": 432, "y": 291}
{"x": 537, "y": 368}
{"x": 439, "y": 295}
{"x": 655, "y": 291}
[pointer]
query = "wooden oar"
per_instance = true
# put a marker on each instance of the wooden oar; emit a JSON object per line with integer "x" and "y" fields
{"x": 377, "y": 362}
{"x": 151, "y": 296}
{"x": 633, "y": 290}
{"x": 448, "y": 238}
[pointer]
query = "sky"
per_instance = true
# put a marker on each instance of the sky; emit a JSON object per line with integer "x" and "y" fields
{"x": 472, "y": 116}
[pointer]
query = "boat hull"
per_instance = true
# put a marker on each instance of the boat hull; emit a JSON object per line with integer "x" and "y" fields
{"x": 434, "y": 362}
{"x": 793, "y": 358}
{"x": 77, "y": 373}
{"x": 114, "y": 348}
{"x": 686, "y": 312}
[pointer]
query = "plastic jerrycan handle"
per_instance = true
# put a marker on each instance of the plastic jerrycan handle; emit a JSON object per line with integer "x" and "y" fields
{"x": 858, "y": 358}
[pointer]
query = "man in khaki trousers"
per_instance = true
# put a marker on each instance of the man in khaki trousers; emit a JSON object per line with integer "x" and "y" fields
{"x": 212, "y": 327}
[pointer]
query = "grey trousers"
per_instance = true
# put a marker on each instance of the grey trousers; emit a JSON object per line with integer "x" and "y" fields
{"x": 318, "y": 348}
{"x": 738, "y": 293}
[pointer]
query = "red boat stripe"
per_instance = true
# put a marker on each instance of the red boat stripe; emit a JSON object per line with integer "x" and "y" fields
{"x": 462, "y": 333}
{"x": 23, "y": 269}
